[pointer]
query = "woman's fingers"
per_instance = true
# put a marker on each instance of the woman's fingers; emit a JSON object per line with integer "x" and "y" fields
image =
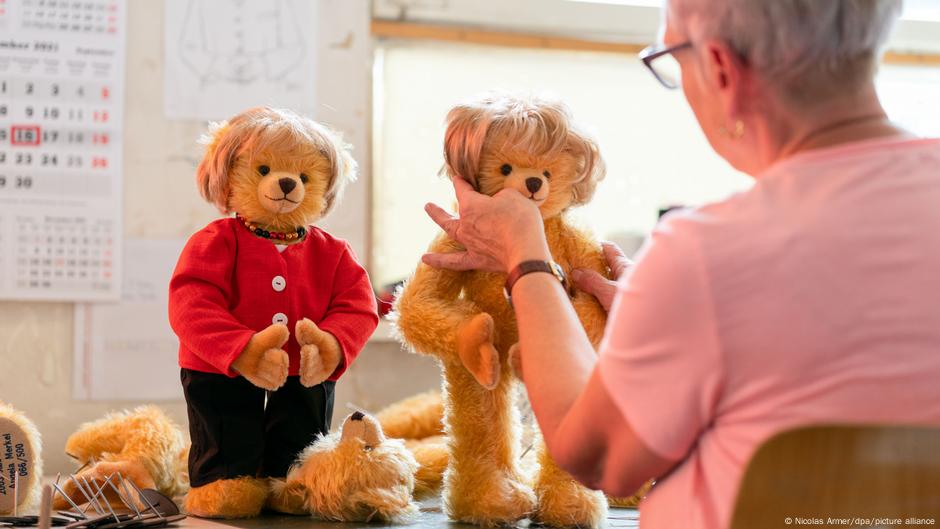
{"x": 595, "y": 284}
{"x": 442, "y": 218}
{"x": 463, "y": 189}
{"x": 617, "y": 261}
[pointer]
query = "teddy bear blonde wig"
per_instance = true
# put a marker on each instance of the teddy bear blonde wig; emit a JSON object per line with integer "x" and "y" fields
{"x": 262, "y": 129}
{"x": 539, "y": 123}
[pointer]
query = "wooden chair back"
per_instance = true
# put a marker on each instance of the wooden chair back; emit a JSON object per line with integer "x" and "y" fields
{"x": 825, "y": 475}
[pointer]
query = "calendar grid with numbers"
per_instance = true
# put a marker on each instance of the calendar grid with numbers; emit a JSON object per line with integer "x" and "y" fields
{"x": 61, "y": 126}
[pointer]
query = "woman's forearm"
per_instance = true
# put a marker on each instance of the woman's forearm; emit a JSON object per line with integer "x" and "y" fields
{"x": 557, "y": 357}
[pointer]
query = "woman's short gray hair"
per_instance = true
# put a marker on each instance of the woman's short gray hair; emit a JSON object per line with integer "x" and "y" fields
{"x": 809, "y": 46}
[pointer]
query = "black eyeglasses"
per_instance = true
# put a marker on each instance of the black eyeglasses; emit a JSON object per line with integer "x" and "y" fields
{"x": 664, "y": 66}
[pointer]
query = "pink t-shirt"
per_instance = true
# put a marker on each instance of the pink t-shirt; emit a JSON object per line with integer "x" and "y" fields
{"x": 813, "y": 297}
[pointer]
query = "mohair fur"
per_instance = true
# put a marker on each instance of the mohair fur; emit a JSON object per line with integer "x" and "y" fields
{"x": 144, "y": 445}
{"x": 246, "y": 157}
{"x": 432, "y": 454}
{"x": 228, "y": 498}
{"x": 415, "y": 417}
{"x": 419, "y": 421}
{"x": 353, "y": 475}
{"x": 465, "y": 321}
{"x": 28, "y": 495}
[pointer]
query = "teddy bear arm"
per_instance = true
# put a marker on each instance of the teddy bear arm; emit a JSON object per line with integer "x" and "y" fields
{"x": 582, "y": 251}
{"x": 391, "y": 505}
{"x": 430, "y": 310}
{"x": 91, "y": 440}
{"x": 579, "y": 250}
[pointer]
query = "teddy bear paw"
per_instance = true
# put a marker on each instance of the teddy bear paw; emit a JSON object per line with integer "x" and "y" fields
{"x": 270, "y": 372}
{"x": 312, "y": 368}
{"x": 563, "y": 502}
{"x": 307, "y": 332}
{"x": 499, "y": 498}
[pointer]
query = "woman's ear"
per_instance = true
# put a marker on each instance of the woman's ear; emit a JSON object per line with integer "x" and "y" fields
{"x": 467, "y": 125}
{"x": 344, "y": 168}
{"x": 212, "y": 175}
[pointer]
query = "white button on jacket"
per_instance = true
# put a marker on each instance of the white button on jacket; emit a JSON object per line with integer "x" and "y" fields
{"x": 280, "y": 317}
{"x": 278, "y": 283}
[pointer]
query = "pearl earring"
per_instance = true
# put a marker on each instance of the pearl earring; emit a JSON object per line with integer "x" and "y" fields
{"x": 735, "y": 134}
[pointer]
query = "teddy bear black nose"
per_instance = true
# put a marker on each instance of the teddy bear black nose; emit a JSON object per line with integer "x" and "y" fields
{"x": 533, "y": 184}
{"x": 287, "y": 184}
{"x": 356, "y": 416}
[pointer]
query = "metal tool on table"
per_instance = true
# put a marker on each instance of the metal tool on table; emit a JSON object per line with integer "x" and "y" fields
{"x": 160, "y": 511}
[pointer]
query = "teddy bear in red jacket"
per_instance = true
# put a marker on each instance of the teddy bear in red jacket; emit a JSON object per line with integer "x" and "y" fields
{"x": 256, "y": 392}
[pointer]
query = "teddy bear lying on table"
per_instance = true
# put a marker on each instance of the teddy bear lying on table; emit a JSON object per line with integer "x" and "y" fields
{"x": 354, "y": 475}
{"x": 143, "y": 445}
{"x": 351, "y": 475}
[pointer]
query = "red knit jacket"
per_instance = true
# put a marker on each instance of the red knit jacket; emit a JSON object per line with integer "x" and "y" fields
{"x": 230, "y": 284}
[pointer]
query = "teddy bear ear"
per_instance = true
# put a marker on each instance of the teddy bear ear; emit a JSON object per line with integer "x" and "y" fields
{"x": 212, "y": 175}
{"x": 467, "y": 125}
{"x": 345, "y": 168}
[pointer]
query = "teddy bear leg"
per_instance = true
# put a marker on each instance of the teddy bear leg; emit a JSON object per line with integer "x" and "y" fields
{"x": 228, "y": 498}
{"x": 562, "y": 501}
{"x": 483, "y": 484}
{"x": 226, "y": 425}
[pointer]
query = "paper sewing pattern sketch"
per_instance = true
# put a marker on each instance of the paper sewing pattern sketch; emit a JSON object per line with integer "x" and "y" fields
{"x": 223, "y": 56}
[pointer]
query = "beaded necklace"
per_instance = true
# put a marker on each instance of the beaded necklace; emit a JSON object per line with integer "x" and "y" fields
{"x": 272, "y": 235}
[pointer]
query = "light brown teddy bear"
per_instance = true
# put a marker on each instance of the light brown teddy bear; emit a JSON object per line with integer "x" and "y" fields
{"x": 143, "y": 445}
{"x": 270, "y": 310}
{"x": 20, "y": 461}
{"x": 531, "y": 145}
{"x": 354, "y": 475}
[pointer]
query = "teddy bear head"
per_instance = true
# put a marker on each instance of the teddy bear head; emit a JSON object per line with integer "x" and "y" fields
{"x": 274, "y": 168}
{"x": 527, "y": 143}
{"x": 355, "y": 474}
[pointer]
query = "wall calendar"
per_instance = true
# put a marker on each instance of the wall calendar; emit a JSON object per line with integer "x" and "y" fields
{"x": 61, "y": 125}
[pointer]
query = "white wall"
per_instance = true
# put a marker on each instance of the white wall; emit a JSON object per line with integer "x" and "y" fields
{"x": 161, "y": 201}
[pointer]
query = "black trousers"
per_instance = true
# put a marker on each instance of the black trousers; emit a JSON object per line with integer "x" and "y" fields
{"x": 235, "y": 433}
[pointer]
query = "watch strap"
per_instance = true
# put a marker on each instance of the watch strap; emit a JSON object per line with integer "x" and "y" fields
{"x": 528, "y": 267}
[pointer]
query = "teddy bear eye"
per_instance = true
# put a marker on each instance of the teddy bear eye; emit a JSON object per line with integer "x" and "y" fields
{"x": 546, "y": 174}
{"x": 304, "y": 178}
{"x": 263, "y": 170}
{"x": 505, "y": 169}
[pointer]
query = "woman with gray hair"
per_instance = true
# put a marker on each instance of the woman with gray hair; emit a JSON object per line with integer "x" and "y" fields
{"x": 809, "y": 298}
